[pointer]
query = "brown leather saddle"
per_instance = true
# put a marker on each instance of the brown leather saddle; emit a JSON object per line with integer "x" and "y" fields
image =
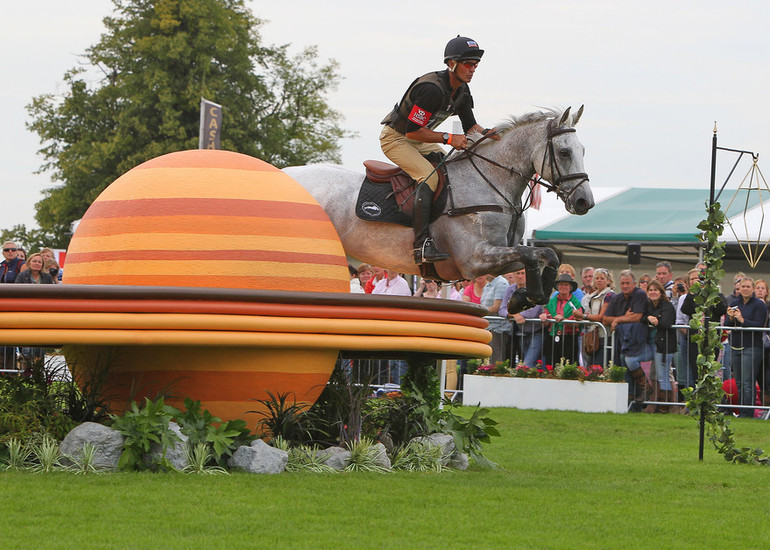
{"x": 401, "y": 183}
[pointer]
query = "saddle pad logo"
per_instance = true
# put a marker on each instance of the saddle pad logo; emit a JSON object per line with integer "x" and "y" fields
{"x": 371, "y": 209}
{"x": 419, "y": 116}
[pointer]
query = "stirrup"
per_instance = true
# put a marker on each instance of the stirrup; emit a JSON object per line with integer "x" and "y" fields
{"x": 427, "y": 253}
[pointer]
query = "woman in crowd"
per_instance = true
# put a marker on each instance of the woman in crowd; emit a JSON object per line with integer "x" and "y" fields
{"x": 472, "y": 292}
{"x": 52, "y": 268}
{"x": 660, "y": 317}
{"x": 644, "y": 280}
{"x": 428, "y": 289}
{"x": 594, "y": 305}
{"x": 34, "y": 273}
{"x": 456, "y": 289}
{"x": 562, "y": 340}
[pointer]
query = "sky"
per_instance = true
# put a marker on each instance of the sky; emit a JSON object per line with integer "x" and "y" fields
{"x": 654, "y": 78}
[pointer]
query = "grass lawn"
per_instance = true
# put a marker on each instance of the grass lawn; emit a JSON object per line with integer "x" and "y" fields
{"x": 566, "y": 480}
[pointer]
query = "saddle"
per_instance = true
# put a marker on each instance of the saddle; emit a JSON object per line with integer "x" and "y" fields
{"x": 387, "y": 193}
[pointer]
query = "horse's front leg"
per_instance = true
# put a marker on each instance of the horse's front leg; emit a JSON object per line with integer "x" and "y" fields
{"x": 502, "y": 259}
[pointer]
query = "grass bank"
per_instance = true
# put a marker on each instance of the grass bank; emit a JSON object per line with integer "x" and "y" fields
{"x": 566, "y": 480}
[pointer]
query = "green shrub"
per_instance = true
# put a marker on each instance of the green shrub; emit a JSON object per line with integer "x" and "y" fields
{"x": 142, "y": 427}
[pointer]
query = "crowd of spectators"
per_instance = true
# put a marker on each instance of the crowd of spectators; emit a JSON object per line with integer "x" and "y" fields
{"x": 645, "y": 317}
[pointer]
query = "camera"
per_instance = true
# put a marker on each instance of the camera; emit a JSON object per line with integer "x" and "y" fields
{"x": 53, "y": 271}
{"x": 680, "y": 287}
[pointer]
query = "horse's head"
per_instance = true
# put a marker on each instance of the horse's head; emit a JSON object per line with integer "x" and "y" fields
{"x": 559, "y": 160}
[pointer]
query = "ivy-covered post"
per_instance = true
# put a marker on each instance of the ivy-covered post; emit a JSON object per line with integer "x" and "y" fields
{"x": 707, "y": 394}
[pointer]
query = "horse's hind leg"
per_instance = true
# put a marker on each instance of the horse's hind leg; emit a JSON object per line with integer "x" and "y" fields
{"x": 549, "y": 273}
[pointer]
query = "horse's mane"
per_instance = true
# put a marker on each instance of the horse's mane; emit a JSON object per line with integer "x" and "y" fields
{"x": 516, "y": 121}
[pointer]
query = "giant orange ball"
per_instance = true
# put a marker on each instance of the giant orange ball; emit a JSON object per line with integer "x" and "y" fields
{"x": 208, "y": 219}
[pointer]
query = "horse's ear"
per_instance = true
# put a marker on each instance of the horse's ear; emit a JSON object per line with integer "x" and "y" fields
{"x": 577, "y": 115}
{"x": 564, "y": 117}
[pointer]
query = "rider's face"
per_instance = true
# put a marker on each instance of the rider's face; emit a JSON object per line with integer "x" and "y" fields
{"x": 464, "y": 70}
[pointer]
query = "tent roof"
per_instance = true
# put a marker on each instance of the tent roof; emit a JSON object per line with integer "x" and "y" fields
{"x": 643, "y": 215}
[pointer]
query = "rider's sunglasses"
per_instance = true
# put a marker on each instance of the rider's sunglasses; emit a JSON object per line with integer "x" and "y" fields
{"x": 469, "y": 64}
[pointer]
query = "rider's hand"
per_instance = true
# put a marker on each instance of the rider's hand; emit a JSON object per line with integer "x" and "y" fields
{"x": 492, "y": 133}
{"x": 459, "y": 141}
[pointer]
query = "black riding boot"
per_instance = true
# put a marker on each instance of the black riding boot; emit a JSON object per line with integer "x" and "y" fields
{"x": 425, "y": 251}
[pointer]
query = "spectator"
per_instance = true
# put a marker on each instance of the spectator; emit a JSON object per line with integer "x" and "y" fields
{"x": 492, "y": 298}
{"x": 660, "y": 316}
{"x": 623, "y": 316}
{"x": 761, "y": 292}
{"x": 595, "y": 304}
{"x": 378, "y": 274}
{"x": 528, "y": 335}
{"x": 364, "y": 273}
{"x": 355, "y": 283}
{"x": 11, "y": 266}
{"x": 664, "y": 276}
{"x": 746, "y": 346}
{"x": 49, "y": 255}
{"x": 569, "y": 270}
{"x": 644, "y": 280}
{"x": 561, "y": 342}
{"x": 52, "y": 268}
{"x": 35, "y": 274}
{"x": 21, "y": 254}
{"x": 456, "y": 290}
{"x": 517, "y": 279}
{"x": 715, "y": 314}
{"x": 685, "y": 375}
{"x": 472, "y": 292}
{"x": 392, "y": 284}
{"x": 428, "y": 289}
{"x": 737, "y": 284}
{"x": 587, "y": 278}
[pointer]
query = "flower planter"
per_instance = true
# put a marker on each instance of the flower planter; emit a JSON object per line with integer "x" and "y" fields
{"x": 545, "y": 393}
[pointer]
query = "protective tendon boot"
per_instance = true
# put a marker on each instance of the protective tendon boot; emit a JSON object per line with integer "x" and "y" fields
{"x": 643, "y": 388}
{"x": 425, "y": 251}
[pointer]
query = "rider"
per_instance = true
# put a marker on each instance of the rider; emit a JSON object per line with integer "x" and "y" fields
{"x": 408, "y": 132}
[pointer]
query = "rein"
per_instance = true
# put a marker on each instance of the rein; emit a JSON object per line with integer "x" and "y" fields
{"x": 555, "y": 187}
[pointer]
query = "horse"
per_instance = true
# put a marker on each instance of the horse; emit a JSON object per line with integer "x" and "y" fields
{"x": 482, "y": 224}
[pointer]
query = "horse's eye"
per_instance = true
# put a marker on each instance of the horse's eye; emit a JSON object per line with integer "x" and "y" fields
{"x": 565, "y": 153}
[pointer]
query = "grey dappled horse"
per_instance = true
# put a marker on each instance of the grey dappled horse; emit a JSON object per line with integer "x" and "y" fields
{"x": 482, "y": 224}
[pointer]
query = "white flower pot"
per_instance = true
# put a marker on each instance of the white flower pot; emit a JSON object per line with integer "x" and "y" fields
{"x": 545, "y": 393}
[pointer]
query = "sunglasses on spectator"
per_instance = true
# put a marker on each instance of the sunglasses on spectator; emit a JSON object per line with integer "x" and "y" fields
{"x": 10, "y": 249}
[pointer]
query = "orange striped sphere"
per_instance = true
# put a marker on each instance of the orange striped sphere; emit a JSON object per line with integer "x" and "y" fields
{"x": 207, "y": 218}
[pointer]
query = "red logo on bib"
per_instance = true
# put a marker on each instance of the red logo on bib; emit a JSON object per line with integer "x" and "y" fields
{"x": 419, "y": 116}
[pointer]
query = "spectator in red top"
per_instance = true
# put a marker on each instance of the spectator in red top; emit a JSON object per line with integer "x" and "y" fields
{"x": 472, "y": 292}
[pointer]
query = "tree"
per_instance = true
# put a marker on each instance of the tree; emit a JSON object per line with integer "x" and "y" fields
{"x": 155, "y": 62}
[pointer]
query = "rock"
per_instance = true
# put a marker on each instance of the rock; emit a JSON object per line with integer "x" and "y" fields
{"x": 382, "y": 456}
{"x": 108, "y": 444}
{"x": 445, "y": 441}
{"x": 386, "y": 440}
{"x": 458, "y": 461}
{"x": 259, "y": 458}
{"x": 176, "y": 453}
{"x": 337, "y": 457}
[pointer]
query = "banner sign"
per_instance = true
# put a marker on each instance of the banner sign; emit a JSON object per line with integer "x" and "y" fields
{"x": 211, "y": 125}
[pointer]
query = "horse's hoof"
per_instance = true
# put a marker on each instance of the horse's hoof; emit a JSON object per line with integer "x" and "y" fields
{"x": 519, "y": 302}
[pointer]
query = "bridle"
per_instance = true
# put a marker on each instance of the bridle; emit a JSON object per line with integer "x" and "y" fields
{"x": 471, "y": 154}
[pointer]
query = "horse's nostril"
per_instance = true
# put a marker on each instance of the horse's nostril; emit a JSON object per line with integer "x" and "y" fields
{"x": 582, "y": 206}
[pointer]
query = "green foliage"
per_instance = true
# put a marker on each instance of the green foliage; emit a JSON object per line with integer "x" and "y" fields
{"x": 473, "y": 365}
{"x": 85, "y": 463}
{"x": 136, "y": 95}
{"x": 708, "y": 393}
{"x": 402, "y": 417}
{"x": 31, "y": 240}
{"x": 142, "y": 427}
{"x": 199, "y": 458}
{"x": 45, "y": 454}
{"x": 469, "y": 433}
{"x": 363, "y": 456}
{"x": 422, "y": 376}
{"x": 307, "y": 458}
{"x": 282, "y": 418}
{"x": 35, "y": 401}
{"x": 567, "y": 371}
{"x": 200, "y": 426}
{"x": 616, "y": 373}
{"x": 419, "y": 456}
{"x": 18, "y": 455}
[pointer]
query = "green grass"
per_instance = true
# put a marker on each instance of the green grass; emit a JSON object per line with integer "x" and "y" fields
{"x": 566, "y": 480}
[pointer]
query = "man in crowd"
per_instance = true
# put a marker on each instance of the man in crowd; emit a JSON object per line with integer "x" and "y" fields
{"x": 665, "y": 277}
{"x": 11, "y": 265}
{"x": 587, "y": 278}
{"x": 623, "y": 316}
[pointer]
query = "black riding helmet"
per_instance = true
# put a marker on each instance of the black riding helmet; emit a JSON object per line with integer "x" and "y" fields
{"x": 462, "y": 48}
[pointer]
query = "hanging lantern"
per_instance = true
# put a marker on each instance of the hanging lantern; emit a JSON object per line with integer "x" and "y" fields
{"x": 753, "y": 186}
